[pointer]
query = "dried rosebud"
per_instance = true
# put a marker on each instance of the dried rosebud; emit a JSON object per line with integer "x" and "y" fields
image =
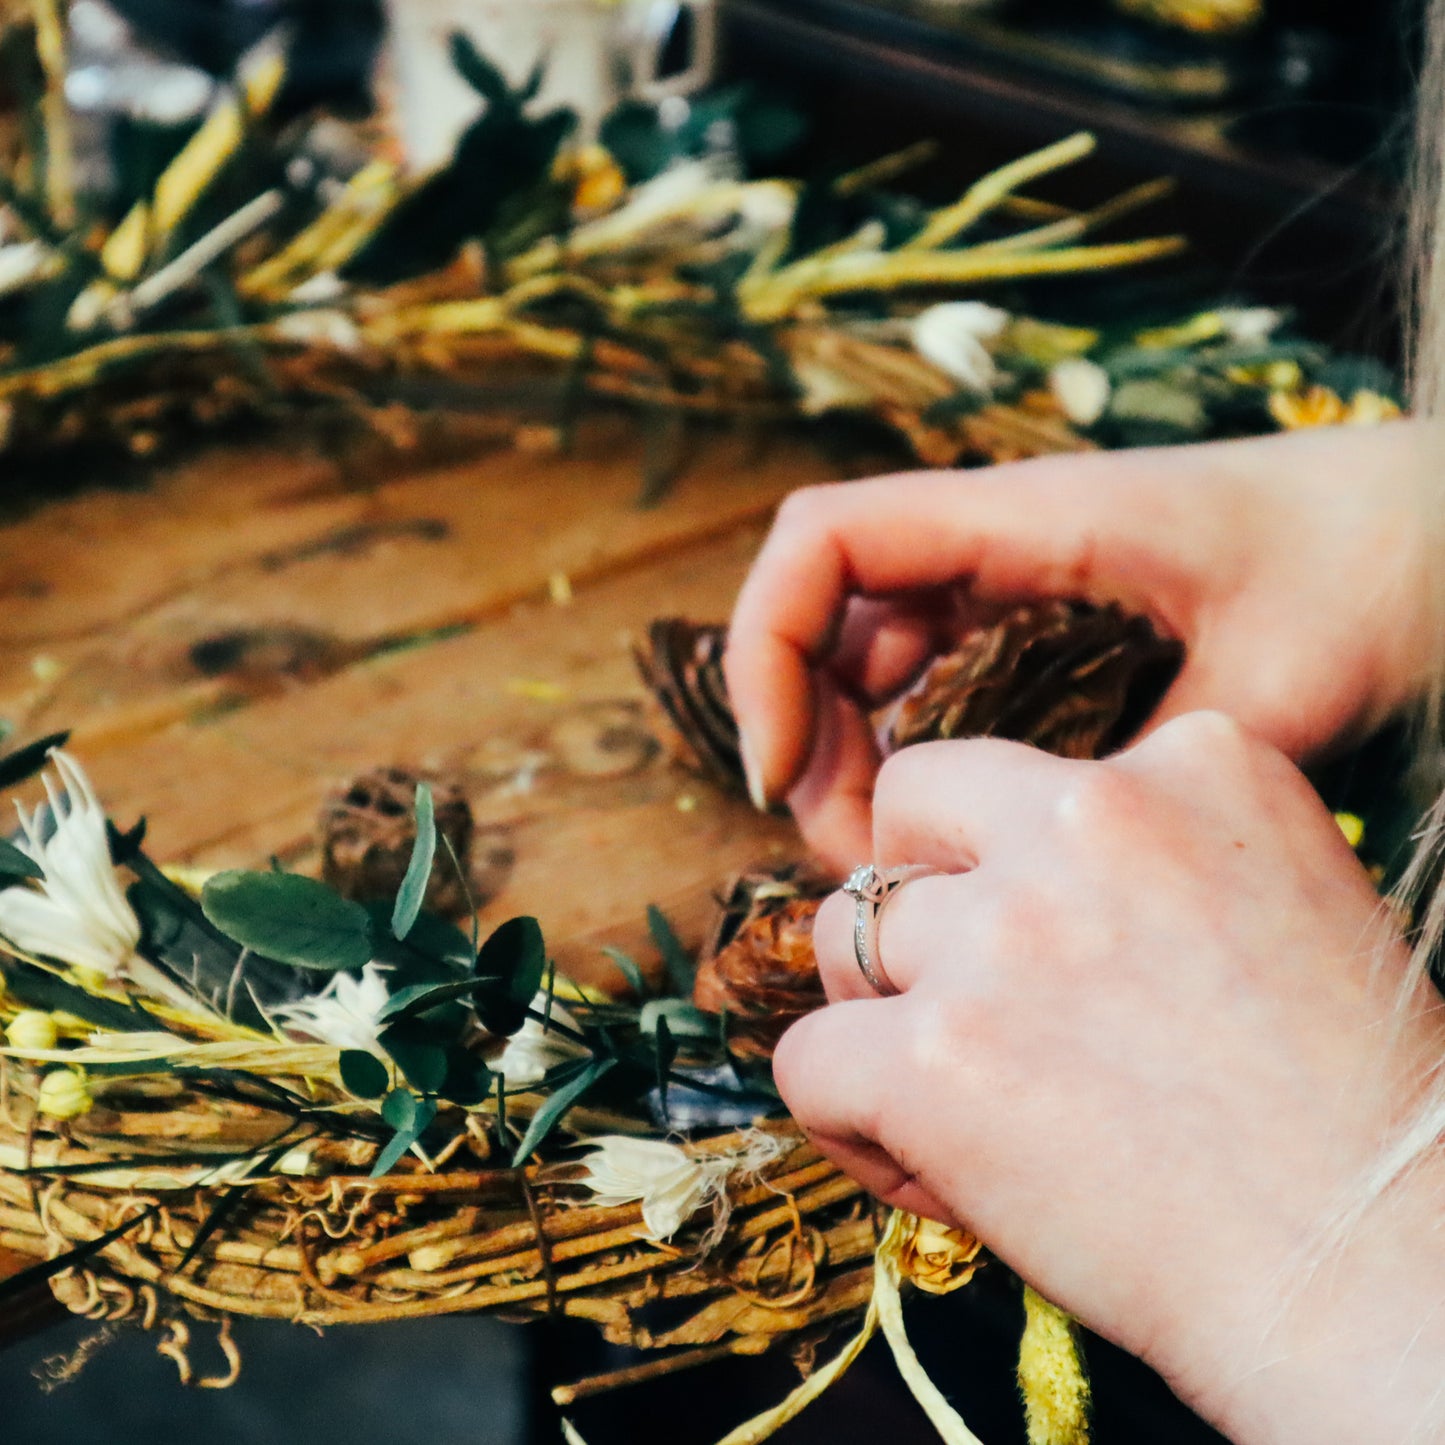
{"x": 760, "y": 966}
{"x": 937, "y": 1257}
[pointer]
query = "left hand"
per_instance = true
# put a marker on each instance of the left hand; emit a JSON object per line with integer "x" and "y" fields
{"x": 1145, "y": 1046}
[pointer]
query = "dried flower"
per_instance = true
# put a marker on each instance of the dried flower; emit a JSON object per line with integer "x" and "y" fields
{"x": 31, "y": 1029}
{"x": 535, "y": 1048}
{"x": 64, "y": 1095}
{"x": 77, "y": 913}
{"x": 1249, "y": 325}
{"x": 937, "y": 1257}
{"x": 952, "y": 335}
{"x": 1082, "y": 388}
{"x": 1319, "y": 406}
{"x": 671, "y": 1184}
{"x": 345, "y": 1013}
{"x": 759, "y": 965}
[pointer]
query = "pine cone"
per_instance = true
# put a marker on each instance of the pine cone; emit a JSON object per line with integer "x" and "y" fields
{"x": 367, "y": 833}
{"x": 681, "y": 665}
{"x": 1073, "y": 680}
{"x": 759, "y": 964}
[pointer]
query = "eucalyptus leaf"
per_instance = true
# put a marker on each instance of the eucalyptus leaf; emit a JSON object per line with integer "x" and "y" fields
{"x": 290, "y": 918}
{"x": 418, "y": 1119}
{"x": 629, "y": 968}
{"x": 15, "y": 864}
{"x": 363, "y": 1074}
{"x": 680, "y": 968}
{"x": 516, "y": 955}
{"x": 468, "y": 1080}
{"x": 556, "y": 1106}
{"x": 418, "y": 1053}
{"x": 678, "y": 1016}
{"x": 420, "y": 998}
{"x": 666, "y": 1051}
{"x": 27, "y": 761}
{"x": 418, "y": 869}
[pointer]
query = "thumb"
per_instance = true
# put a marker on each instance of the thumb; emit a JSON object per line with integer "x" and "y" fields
{"x": 838, "y": 1075}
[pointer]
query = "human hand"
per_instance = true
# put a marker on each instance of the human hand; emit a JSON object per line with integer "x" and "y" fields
{"x": 1145, "y": 1048}
{"x": 1292, "y": 568}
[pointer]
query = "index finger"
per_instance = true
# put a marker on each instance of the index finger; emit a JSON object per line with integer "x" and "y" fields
{"x": 1032, "y": 528}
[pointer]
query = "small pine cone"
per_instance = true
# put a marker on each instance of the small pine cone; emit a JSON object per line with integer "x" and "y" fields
{"x": 681, "y": 666}
{"x": 759, "y": 965}
{"x": 367, "y": 833}
{"x": 1071, "y": 679}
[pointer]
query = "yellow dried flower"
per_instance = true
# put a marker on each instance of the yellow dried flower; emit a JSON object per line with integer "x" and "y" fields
{"x": 594, "y": 175}
{"x": 1319, "y": 406}
{"x": 1051, "y": 1375}
{"x": 937, "y": 1258}
{"x": 32, "y": 1029}
{"x": 1276, "y": 375}
{"x": 1352, "y": 827}
{"x": 64, "y": 1095}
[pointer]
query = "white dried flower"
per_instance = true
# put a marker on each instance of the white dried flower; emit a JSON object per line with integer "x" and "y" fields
{"x": 77, "y": 913}
{"x": 24, "y": 262}
{"x": 1082, "y": 388}
{"x": 1249, "y": 325}
{"x": 315, "y": 290}
{"x": 534, "y": 1048}
{"x": 345, "y": 1013}
{"x": 953, "y": 336}
{"x": 323, "y": 326}
{"x": 670, "y": 1183}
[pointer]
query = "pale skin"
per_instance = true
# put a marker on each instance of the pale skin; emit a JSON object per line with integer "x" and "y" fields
{"x": 1147, "y": 1043}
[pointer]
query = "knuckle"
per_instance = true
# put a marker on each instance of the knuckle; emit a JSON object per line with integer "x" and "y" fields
{"x": 1099, "y": 802}
{"x": 808, "y": 510}
{"x": 1209, "y": 735}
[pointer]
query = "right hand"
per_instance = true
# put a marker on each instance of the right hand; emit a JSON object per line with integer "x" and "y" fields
{"x": 1294, "y": 569}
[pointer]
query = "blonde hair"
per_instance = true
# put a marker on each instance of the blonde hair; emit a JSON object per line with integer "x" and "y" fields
{"x": 1421, "y": 892}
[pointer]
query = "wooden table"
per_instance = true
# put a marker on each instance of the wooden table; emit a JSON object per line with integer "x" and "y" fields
{"x": 245, "y": 634}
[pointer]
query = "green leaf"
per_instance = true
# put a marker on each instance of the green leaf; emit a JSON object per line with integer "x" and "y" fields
{"x": 418, "y": 870}
{"x": 27, "y": 761}
{"x": 417, "y": 1053}
{"x": 680, "y": 967}
{"x": 629, "y": 968}
{"x": 15, "y": 864}
{"x": 363, "y": 1074}
{"x": 419, "y": 998}
{"x": 516, "y": 955}
{"x": 39, "y": 989}
{"x": 410, "y": 1117}
{"x": 286, "y": 917}
{"x": 678, "y": 1016}
{"x": 468, "y": 1080}
{"x": 558, "y": 1103}
{"x": 478, "y": 72}
{"x": 666, "y": 1052}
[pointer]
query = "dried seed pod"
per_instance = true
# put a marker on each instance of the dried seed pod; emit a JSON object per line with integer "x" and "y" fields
{"x": 1072, "y": 679}
{"x": 759, "y": 963}
{"x": 368, "y": 830}
{"x": 681, "y": 665}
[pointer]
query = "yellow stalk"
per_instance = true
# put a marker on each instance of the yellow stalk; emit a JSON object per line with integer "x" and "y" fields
{"x": 183, "y": 182}
{"x": 781, "y": 294}
{"x": 59, "y": 156}
{"x": 333, "y": 238}
{"x": 981, "y": 197}
{"x": 1072, "y": 228}
{"x": 885, "y": 168}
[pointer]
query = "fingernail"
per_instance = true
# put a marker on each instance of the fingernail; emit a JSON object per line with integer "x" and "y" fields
{"x": 754, "y": 778}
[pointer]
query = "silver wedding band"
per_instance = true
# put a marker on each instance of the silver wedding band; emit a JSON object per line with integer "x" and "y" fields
{"x": 870, "y": 891}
